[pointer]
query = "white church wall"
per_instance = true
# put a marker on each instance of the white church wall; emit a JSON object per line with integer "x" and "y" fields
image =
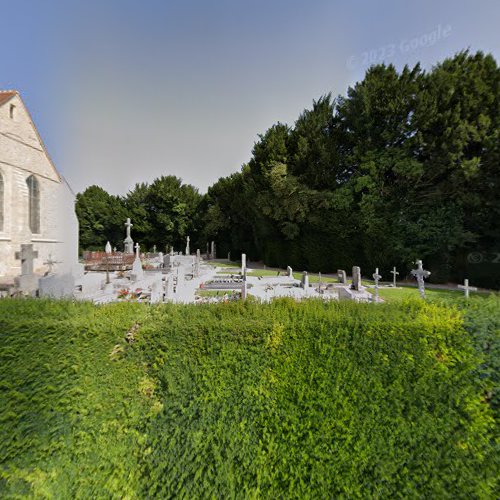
{"x": 22, "y": 155}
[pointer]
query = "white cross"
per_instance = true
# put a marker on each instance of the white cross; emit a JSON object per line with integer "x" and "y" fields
{"x": 394, "y": 274}
{"x": 376, "y": 277}
{"x": 26, "y": 256}
{"x": 137, "y": 247}
{"x": 466, "y": 288}
{"x": 420, "y": 273}
{"x": 128, "y": 225}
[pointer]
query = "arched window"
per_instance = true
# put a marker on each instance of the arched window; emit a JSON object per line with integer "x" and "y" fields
{"x": 34, "y": 203}
{"x": 1, "y": 202}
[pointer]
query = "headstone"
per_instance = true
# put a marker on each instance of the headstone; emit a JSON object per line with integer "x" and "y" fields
{"x": 27, "y": 282}
{"x": 108, "y": 248}
{"x": 243, "y": 263}
{"x": 188, "y": 250}
{"x": 181, "y": 276}
{"x": 128, "y": 242}
{"x": 229, "y": 256}
{"x": 57, "y": 286}
{"x": 356, "y": 278}
{"x": 154, "y": 248}
{"x": 305, "y": 280}
{"x": 289, "y": 272}
{"x": 376, "y": 277}
{"x": 394, "y": 274}
{"x": 342, "y": 276}
{"x": 319, "y": 283}
{"x": 213, "y": 251}
{"x": 169, "y": 286}
{"x": 156, "y": 292}
{"x": 244, "y": 290}
{"x": 420, "y": 273}
{"x": 466, "y": 288}
{"x": 197, "y": 263}
{"x": 167, "y": 261}
{"x": 137, "y": 273}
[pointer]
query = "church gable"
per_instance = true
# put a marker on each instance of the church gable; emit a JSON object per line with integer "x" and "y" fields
{"x": 20, "y": 144}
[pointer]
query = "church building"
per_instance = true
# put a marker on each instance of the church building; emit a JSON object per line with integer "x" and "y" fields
{"x": 36, "y": 204}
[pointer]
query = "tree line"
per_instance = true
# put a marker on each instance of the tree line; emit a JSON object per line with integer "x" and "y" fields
{"x": 405, "y": 166}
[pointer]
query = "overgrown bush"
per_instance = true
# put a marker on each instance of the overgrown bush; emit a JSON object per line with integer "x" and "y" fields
{"x": 240, "y": 400}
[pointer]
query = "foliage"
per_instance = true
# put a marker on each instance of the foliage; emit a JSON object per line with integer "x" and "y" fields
{"x": 404, "y": 166}
{"x": 248, "y": 400}
{"x": 163, "y": 213}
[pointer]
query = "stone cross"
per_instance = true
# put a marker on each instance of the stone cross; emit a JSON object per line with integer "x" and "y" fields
{"x": 466, "y": 288}
{"x": 356, "y": 278}
{"x": 319, "y": 282}
{"x": 420, "y": 273}
{"x": 26, "y": 256}
{"x": 128, "y": 225}
{"x": 376, "y": 277}
{"x": 394, "y": 274}
{"x": 197, "y": 262}
{"x": 137, "y": 248}
{"x": 50, "y": 262}
{"x": 128, "y": 242}
{"x": 188, "y": 250}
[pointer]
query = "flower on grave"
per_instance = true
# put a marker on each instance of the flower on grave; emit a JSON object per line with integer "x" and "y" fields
{"x": 123, "y": 293}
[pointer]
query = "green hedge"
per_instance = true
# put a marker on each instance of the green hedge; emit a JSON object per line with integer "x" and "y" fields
{"x": 287, "y": 399}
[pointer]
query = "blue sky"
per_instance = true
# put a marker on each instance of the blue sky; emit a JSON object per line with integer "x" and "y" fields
{"x": 123, "y": 91}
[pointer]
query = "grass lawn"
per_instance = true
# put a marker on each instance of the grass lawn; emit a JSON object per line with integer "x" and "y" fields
{"x": 403, "y": 293}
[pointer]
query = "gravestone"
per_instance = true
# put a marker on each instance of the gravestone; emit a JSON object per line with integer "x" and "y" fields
{"x": 188, "y": 250}
{"x": 289, "y": 272}
{"x": 243, "y": 263}
{"x": 420, "y": 273}
{"x": 244, "y": 289}
{"x": 128, "y": 241}
{"x": 213, "y": 251}
{"x": 108, "y": 248}
{"x": 137, "y": 273}
{"x": 305, "y": 280}
{"x": 356, "y": 278}
{"x": 156, "y": 292}
{"x": 56, "y": 286}
{"x": 169, "y": 286}
{"x": 376, "y": 277}
{"x": 394, "y": 274}
{"x": 342, "y": 276}
{"x": 181, "y": 278}
{"x": 167, "y": 259}
{"x": 197, "y": 263}
{"x": 27, "y": 282}
{"x": 466, "y": 288}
